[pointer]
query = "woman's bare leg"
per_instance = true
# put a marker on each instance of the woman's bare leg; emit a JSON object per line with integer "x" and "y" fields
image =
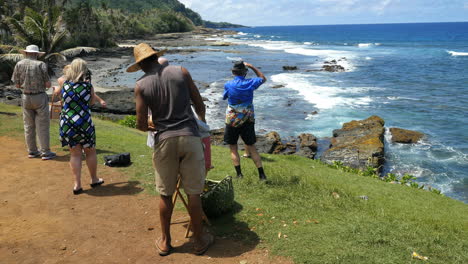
{"x": 91, "y": 162}
{"x": 75, "y": 165}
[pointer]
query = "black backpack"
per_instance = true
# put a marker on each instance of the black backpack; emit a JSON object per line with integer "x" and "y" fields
{"x": 118, "y": 160}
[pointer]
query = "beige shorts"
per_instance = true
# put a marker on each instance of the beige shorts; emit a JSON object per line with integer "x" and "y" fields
{"x": 182, "y": 156}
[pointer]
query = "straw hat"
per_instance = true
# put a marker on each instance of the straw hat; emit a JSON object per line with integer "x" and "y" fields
{"x": 32, "y": 49}
{"x": 141, "y": 52}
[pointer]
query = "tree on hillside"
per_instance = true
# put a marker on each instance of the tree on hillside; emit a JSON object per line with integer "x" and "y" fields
{"x": 48, "y": 31}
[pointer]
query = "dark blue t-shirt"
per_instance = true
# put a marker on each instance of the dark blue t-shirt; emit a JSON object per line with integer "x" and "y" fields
{"x": 240, "y": 90}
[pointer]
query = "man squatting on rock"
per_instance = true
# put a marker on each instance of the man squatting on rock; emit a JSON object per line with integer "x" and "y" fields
{"x": 240, "y": 117}
{"x": 167, "y": 92}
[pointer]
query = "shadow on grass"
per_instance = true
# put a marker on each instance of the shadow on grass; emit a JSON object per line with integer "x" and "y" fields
{"x": 66, "y": 158}
{"x": 267, "y": 159}
{"x": 233, "y": 237}
{"x": 114, "y": 189}
{"x": 8, "y": 114}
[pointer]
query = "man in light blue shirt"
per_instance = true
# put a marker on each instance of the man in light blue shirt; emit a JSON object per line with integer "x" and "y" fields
{"x": 240, "y": 116}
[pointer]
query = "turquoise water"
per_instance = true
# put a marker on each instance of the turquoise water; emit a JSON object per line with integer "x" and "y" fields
{"x": 415, "y": 76}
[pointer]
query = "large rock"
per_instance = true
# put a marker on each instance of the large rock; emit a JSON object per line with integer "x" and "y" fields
{"x": 289, "y": 68}
{"x": 10, "y": 95}
{"x": 333, "y": 68}
{"x": 307, "y": 146}
{"x": 272, "y": 143}
{"x": 405, "y": 136}
{"x": 269, "y": 143}
{"x": 358, "y": 144}
{"x": 118, "y": 102}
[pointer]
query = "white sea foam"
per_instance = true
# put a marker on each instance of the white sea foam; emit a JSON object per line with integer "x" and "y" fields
{"x": 365, "y": 45}
{"x": 323, "y": 97}
{"x": 234, "y": 58}
{"x": 368, "y": 58}
{"x": 273, "y": 45}
{"x": 302, "y": 49}
{"x": 242, "y": 34}
{"x": 456, "y": 53}
{"x": 214, "y": 39}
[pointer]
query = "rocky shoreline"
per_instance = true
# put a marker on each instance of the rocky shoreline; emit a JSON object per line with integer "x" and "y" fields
{"x": 358, "y": 144}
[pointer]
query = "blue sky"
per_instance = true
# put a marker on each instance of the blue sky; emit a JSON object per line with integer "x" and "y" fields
{"x": 322, "y": 12}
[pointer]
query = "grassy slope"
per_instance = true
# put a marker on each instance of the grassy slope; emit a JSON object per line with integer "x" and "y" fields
{"x": 315, "y": 227}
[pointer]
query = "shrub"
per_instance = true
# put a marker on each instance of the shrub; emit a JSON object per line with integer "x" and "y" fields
{"x": 128, "y": 121}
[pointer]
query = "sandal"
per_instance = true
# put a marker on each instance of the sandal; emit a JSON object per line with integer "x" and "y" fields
{"x": 96, "y": 184}
{"x": 76, "y": 192}
{"x": 161, "y": 252}
{"x": 210, "y": 240}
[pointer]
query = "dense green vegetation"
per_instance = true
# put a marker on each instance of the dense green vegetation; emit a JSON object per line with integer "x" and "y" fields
{"x": 210, "y": 24}
{"x": 59, "y": 26}
{"x": 308, "y": 211}
{"x": 137, "y": 6}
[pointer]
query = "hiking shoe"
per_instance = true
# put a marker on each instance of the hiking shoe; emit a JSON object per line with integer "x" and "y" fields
{"x": 34, "y": 154}
{"x": 49, "y": 156}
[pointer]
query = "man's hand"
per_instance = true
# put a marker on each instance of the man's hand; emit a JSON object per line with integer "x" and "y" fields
{"x": 257, "y": 71}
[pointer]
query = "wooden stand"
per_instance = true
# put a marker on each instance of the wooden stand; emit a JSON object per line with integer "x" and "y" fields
{"x": 174, "y": 199}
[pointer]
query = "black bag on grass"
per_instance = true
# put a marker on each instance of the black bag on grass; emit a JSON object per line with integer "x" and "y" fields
{"x": 118, "y": 160}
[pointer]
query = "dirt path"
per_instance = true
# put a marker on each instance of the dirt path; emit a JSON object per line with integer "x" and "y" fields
{"x": 41, "y": 221}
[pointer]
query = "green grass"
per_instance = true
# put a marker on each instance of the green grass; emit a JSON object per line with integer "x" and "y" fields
{"x": 298, "y": 205}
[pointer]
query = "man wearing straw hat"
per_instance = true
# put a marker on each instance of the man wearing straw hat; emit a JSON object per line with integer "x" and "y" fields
{"x": 32, "y": 77}
{"x": 167, "y": 92}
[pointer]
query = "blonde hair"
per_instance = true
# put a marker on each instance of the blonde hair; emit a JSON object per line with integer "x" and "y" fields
{"x": 77, "y": 70}
{"x": 65, "y": 69}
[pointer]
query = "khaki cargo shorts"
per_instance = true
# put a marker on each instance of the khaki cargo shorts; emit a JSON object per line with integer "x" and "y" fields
{"x": 182, "y": 155}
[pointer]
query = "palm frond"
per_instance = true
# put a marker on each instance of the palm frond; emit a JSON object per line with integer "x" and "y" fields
{"x": 10, "y": 49}
{"x": 19, "y": 33}
{"x": 76, "y": 51}
{"x": 57, "y": 40}
{"x": 56, "y": 55}
{"x": 29, "y": 12}
{"x": 11, "y": 57}
{"x": 34, "y": 28}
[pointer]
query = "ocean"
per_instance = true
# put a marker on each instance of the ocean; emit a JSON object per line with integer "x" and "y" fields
{"x": 414, "y": 76}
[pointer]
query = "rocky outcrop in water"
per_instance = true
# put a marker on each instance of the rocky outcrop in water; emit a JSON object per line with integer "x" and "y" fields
{"x": 405, "y": 136}
{"x": 333, "y": 66}
{"x": 358, "y": 144}
{"x": 289, "y": 68}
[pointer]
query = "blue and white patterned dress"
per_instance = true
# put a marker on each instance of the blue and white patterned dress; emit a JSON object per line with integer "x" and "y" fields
{"x": 76, "y": 126}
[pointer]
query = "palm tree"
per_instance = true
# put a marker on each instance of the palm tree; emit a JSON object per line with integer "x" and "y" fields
{"x": 48, "y": 31}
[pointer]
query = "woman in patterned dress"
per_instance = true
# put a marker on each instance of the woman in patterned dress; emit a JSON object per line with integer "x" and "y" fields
{"x": 76, "y": 127}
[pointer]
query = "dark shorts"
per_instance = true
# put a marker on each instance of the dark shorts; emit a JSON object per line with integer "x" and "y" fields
{"x": 246, "y": 131}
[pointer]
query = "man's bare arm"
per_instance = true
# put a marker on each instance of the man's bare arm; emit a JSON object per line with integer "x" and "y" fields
{"x": 141, "y": 111}
{"x": 195, "y": 96}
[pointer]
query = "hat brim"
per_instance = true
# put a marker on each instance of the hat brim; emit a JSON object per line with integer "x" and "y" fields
{"x": 136, "y": 67}
{"x": 39, "y": 53}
